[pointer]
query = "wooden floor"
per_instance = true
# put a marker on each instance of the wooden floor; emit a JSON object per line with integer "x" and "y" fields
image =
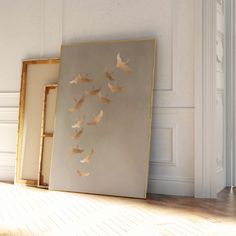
{"x": 29, "y": 211}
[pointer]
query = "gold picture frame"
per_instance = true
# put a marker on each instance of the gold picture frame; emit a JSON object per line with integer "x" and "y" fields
{"x": 26, "y": 66}
{"x": 44, "y": 134}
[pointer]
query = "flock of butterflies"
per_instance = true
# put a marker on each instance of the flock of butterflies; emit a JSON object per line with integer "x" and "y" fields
{"x": 78, "y": 126}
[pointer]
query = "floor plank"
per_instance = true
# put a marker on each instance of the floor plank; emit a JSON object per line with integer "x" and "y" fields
{"x": 30, "y": 211}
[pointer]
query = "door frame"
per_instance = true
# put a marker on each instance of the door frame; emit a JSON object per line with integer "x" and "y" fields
{"x": 231, "y": 93}
{"x": 204, "y": 65}
{"x": 205, "y": 97}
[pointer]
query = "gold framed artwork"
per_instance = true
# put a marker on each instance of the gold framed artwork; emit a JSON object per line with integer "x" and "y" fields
{"x": 47, "y": 127}
{"x": 35, "y": 75}
{"x": 103, "y": 118}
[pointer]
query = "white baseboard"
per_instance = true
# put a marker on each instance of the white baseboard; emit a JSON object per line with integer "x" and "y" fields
{"x": 7, "y": 173}
{"x": 168, "y": 185}
{"x": 7, "y": 166}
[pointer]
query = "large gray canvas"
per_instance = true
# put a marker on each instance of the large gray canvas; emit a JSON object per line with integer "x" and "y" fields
{"x": 121, "y": 141}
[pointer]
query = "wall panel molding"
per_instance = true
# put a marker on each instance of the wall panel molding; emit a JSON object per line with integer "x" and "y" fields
{"x": 8, "y": 134}
{"x": 172, "y": 178}
{"x": 9, "y": 99}
{"x": 9, "y": 115}
{"x": 164, "y": 148}
{"x": 171, "y": 163}
{"x": 177, "y": 95}
{"x": 171, "y": 185}
{"x": 7, "y": 159}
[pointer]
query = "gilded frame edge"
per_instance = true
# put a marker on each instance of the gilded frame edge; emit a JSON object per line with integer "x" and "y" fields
{"x": 25, "y": 63}
{"x": 44, "y": 135}
{"x": 151, "y": 111}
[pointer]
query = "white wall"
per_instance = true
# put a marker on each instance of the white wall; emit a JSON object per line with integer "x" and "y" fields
{"x": 34, "y": 29}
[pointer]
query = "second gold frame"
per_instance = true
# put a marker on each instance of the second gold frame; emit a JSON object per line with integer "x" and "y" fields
{"x": 45, "y": 134}
{"x": 35, "y": 75}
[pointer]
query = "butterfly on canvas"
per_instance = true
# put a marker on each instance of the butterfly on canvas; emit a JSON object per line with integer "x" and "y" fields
{"x": 121, "y": 64}
{"x": 115, "y": 88}
{"x": 81, "y": 79}
{"x": 88, "y": 157}
{"x": 78, "y": 124}
{"x": 103, "y": 99}
{"x": 97, "y": 119}
{"x": 82, "y": 173}
{"x": 78, "y": 104}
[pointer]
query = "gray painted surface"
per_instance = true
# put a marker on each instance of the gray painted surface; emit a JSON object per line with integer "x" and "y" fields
{"x": 121, "y": 140}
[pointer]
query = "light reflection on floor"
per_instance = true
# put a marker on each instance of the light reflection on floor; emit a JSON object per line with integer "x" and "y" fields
{"x": 29, "y": 211}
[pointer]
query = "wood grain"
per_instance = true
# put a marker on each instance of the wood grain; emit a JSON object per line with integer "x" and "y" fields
{"x": 31, "y": 211}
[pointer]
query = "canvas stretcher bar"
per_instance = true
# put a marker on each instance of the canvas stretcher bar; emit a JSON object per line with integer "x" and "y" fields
{"x": 49, "y": 105}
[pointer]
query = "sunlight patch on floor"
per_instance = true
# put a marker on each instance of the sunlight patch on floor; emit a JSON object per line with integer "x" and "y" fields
{"x": 28, "y": 211}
